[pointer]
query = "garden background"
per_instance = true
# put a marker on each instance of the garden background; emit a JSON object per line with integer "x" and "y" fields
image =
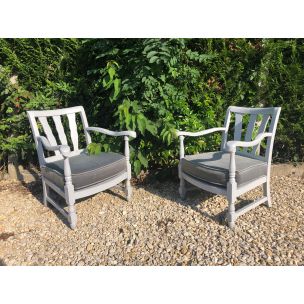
{"x": 152, "y": 86}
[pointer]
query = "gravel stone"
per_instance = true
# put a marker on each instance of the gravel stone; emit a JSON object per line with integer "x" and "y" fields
{"x": 155, "y": 228}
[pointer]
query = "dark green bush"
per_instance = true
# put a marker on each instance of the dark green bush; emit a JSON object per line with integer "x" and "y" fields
{"x": 153, "y": 86}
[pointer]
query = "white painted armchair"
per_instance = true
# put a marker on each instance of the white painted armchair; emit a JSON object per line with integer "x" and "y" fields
{"x": 239, "y": 166}
{"x": 75, "y": 174}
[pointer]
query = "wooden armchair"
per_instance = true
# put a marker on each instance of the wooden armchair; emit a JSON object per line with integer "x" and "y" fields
{"x": 75, "y": 174}
{"x": 239, "y": 166}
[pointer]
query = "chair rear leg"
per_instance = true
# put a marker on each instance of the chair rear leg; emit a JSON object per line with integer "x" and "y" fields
{"x": 266, "y": 192}
{"x": 182, "y": 184}
{"x": 45, "y": 188}
{"x": 128, "y": 190}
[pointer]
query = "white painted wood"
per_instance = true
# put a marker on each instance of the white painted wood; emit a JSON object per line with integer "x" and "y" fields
{"x": 112, "y": 133}
{"x": 48, "y": 113}
{"x": 61, "y": 210}
{"x": 244, "y": 110}
{"x": 48, "y": 132}
{"x": 201, "y": 133}
{"x": 60, "y": 130}
{"x": 250, "y": 206}
{"x": 54, "y": 187}
{"x": 85, "y": 126}
{"x": 128, "y": 181}
{"x": 232, "y": 190}
{"x": 63, "y": 152}
{"x": 73, "y": 129}
{"x": 226, "y": 126}
{"x": 231, "y": 145}
{"x": 181, "y": 146}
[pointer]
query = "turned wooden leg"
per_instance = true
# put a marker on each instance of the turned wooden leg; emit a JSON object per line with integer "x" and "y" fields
{"x": 70, "y": 200}
{"x": 231, "y": 192}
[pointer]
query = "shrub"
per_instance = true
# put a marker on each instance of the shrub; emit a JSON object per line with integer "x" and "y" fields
{"x": 153, "y": 86}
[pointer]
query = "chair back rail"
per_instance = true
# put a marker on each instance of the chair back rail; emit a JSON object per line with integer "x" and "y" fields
{"x": 56, "y": 116}
{"x": 268, "y": 114}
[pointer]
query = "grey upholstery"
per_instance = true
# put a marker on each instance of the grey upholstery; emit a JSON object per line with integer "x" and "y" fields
{"x": 87, "y": 170}
{"x": 213, "y": 167}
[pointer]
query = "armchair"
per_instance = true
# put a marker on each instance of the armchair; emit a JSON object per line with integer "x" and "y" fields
{"x": 233, "y": 171}
{"x": 75, "y": 174}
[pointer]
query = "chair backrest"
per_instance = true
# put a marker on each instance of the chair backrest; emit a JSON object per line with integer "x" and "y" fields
{"x": 258, "y": 120}
{"x": 46, "y": 117}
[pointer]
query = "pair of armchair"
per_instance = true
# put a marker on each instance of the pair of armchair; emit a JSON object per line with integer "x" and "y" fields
{"x": 75, "y": 174}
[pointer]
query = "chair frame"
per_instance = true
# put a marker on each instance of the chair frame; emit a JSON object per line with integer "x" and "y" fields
{"x": 232, "y": 190}
{"x": 63, "y": 151}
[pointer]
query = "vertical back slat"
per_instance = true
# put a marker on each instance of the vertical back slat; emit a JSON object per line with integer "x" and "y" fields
{"x": 48, "y": 132}
{"x": 250, "y": 128}
{"x": 238, "y": 126}
{"x": 60, "y": 130}
{"x": 256, "y": 149}
{"x": 226, "y": 125}
{"x": 73, "y": 129}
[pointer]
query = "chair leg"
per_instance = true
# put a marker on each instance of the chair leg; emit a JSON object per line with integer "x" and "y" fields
{"x": 128, "y": 190}
{"x": 182, "y": 184}
{"x": 231, "y": 214}
{"x": 70, "y": 200}
{"x": 45, "y": 188}
{"x": 182, "y": 188}
{"x": 231, "y": 188}
{"x": 266, "y": 192}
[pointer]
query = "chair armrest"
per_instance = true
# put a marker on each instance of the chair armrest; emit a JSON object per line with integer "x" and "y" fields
{"x": 231, "y": 145}
{"x": 200, "y": 133}
{"x": 63, "y": 149}
{"x": 112, "y": 133}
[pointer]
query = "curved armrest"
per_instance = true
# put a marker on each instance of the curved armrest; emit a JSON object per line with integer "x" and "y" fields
{"x": 201, "y": 133}
{"x": 112, "y": 133}
{"x": 63, "y": 149}
{"x": 231, "y": 145}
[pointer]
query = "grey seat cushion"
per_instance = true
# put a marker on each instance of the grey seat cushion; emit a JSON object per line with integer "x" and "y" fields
{"x": 213, "y": 167}
{"x": 87, "y": 170}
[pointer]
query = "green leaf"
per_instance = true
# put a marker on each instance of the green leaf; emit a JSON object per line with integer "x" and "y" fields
{"x": 94, "y": 148}
{"x": 141, "y": 123}
{"x": 142, "y": 159}
{"x": 111, "y": 72}
{"x": 137, "y": 167}
{"x": 153, "y": 59}
{"x": 151, "y": 54}
{"x": 151, "y": 128}
{"x": 117, "y": 83}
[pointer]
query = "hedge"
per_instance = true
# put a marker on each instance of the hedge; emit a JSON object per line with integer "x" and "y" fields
{"x": 152, "y": 86}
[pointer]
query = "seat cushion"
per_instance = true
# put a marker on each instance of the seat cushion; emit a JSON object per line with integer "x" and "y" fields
{"x": 213, "y": 167}
{"x": 87, "y": 170}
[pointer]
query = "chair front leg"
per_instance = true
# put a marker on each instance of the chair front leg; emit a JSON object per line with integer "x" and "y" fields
{"x": 69, "y": 194}
{"x": 231, "y": 192}
{"x": 128, "y": 187}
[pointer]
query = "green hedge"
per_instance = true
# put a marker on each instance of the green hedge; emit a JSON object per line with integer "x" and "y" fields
{"x": 153, "y": 86}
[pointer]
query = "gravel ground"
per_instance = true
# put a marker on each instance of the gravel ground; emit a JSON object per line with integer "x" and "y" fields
{"x": 156, "y": 228}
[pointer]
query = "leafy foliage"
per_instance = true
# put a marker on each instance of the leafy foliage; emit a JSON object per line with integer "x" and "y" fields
{"x": 152, "y": 86}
